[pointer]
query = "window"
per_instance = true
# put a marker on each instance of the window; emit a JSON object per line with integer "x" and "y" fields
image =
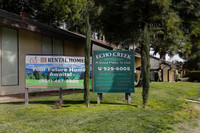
{"x": 47, "y": 45}
{"x": 9, "y": 68}
{"x": 52, "y": 47}
{"x": 58, "y": 47}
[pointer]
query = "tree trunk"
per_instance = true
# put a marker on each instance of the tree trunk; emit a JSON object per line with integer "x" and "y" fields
{"x": 87, "y": 61}
{"x": 145, "y": 66}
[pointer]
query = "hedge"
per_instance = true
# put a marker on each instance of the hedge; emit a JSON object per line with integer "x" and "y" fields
{"x": 194, "y": 75}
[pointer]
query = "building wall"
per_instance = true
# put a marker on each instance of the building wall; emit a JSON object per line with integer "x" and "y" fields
{"x": 171, "y": 75}
{"x": 28, "y": 43}
{"x": 165, "y": 75}
{"x": 137, "y": 62}
{"x": 73, "y": 48}
{"x": 165, "y": 69}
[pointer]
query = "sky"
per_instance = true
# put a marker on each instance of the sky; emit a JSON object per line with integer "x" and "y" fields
{"x": 173, "y": 58}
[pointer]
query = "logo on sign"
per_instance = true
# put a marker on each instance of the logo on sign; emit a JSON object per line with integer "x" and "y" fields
{"x": 33, "y": 60}
{"x": 43, "y": 59}
{"x": 99, "y": 68}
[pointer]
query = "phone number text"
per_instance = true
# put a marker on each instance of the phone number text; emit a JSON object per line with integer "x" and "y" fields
{"x": 114, "y": 68}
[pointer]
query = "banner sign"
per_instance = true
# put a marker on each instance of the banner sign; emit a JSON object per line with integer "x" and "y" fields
{"x": 113, "y": 71}
{"x": 55, "y": 71}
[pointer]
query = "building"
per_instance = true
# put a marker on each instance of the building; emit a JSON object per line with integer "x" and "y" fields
{"x": 161, "y": 70}
{"x": 20, "y": 36}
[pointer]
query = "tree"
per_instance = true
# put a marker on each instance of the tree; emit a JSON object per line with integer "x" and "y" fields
{"x": 76, "y": 15}
{"x": 123, "y": 22}
{"x": 166, "y": 35}
{"x": 48, "y": 77}
{"x": 193, "y": 63}
{"x": 87, "y": 57}
{"x": 51, "y": 12}
{"x": 145, "y": 66}
{"x": 189, "y": 11}
{"x": 37, "y": 75}
{"x": 31, "y": 76}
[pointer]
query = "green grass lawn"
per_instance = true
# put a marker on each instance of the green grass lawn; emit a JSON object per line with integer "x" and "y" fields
{"x": 166, "y": 110}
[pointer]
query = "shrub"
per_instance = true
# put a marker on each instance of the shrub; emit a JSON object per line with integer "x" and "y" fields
{"x": 186, "y": 75}
{"x": 177, "y": 77}
{"x": 194, "y": 75}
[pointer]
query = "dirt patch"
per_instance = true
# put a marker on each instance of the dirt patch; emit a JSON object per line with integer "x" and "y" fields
{"x": 197, "y": 130}
{"x": 189, "y": 127}
{"x": 146, "y": 107}
{"x": 197, "y": 107}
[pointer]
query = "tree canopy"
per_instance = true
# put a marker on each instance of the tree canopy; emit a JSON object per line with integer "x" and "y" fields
{"x": 51, "y": 12}
{"x": 123, "y": 21}
{"x": 189, "y": 11}
{"x": 173, "y": 24}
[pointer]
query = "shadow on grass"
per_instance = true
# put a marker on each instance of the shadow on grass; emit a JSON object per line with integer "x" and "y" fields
{"x": 65, "y": 102}
{"x": 112, "y": 103}
{"x": 48, "y": 102}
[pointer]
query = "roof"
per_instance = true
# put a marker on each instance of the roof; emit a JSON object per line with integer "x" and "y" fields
{"x": 14, "y": 20}
{"x": 164, "y": 61}
{"x": 137, "y": 55}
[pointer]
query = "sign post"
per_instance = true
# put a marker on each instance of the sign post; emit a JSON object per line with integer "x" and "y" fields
{"x": 26, "y": 96}
{"x": 99, "y": 98}
{"x": 113, "y": 72}
{"x": 60, "y": 97}
{"x": 128, "y": 97}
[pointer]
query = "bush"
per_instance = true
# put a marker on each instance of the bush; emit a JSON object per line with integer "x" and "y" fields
{"x": 177, "y": 77}
{"x": 194, "y": 75}
{"x": 186, "y": 75}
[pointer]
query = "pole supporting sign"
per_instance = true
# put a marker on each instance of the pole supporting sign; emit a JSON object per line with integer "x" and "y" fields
{"x": 113, "y": 71}
{"x": 54, "y": 71}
